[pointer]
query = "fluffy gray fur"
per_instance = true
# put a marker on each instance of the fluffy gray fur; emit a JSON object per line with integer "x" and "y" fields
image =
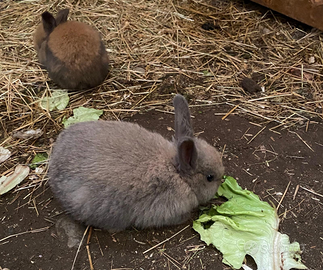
{"x": 114, "y": 175}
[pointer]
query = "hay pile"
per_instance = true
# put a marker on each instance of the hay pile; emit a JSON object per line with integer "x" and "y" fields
{"x": 158, "y": 48}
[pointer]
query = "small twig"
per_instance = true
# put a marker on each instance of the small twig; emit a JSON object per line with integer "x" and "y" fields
{"x": 284, "y": 213}
{"x": 190, "y": 258}
{"x": 35, "y": 207}
{"x": 256, "y": 135}
{"x": 230, "y": 112}
{"x": 139, "y": 242}
{"x": 223, "y": 151}
{"x": 255, "y": 124}
{"x": 244, "y": 134}
{"x": 89, "y": 256}
{"x": 18, "y": 234}
{"x": 166, "y": 240}
{"x": 302, "y": 140}
{"x": 88, "y": 249}
{"x": 273, "y": 96}
{"x": 311, "y": 191}
{"x": 79, "y": 247}
{"x": 153, "y": 88}
{"x": 97, "y": 239}
{"x": 162, "y": 111}
{"x": 282, "y": 198}
{"x": 172, "y": 260}
{"x": 302, "y": 76}
{"x": 296, "y": 190}
{"x": 247, "y": 172}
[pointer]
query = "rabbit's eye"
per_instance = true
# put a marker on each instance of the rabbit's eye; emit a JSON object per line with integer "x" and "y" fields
{"x": 210, "y": 177}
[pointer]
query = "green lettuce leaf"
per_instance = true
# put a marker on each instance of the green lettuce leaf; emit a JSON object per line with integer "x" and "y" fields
{"x": 246, "y": 225}
{"x": 38, "y": 160}
{"x": 58, "y": 100}
{"x": 9, "y": 182}
{"x": 82, "y": 114}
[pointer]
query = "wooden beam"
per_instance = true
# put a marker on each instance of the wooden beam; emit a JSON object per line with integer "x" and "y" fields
{"x": 306, "y": 11}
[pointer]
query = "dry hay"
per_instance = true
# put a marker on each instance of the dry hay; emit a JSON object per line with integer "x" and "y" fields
{"x": 158, "y": 48}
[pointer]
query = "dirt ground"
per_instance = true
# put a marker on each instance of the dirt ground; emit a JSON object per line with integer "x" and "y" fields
{"x": 202, "y": 49}
{"x": 266, "y": 166}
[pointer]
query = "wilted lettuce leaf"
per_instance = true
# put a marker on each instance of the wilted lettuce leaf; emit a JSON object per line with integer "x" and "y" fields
{"x": 38, "y": 159}
{"x": 58, "y": 100}
{"x": 9, "y": 182}
{"x": 246, "y": 225}
{"x": 82, "y": 114}
{"x": 4, "y": 154}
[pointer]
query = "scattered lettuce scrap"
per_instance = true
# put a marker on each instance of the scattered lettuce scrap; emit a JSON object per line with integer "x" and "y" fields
{"x": 9, "y": 182}
{"x": 27, "y": 134}
{"x": 82, "y": 114}
{"x": 246, "y": 225}
{"x": 38, "y": 160}
{"x": 58, "y": 100}
{"x": 207, "y": 73}
{"x": 4, "y": 154}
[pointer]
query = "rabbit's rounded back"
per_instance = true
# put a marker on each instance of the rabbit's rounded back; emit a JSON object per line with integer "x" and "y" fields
{"x": 115, "y": 175}
{"x": 71, "y": 51}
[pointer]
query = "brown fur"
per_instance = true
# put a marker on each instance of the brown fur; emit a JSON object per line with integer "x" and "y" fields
{"x": 72, "y": 52}
{"x": 67, "y": 47}
{"x": 39, "y": 37}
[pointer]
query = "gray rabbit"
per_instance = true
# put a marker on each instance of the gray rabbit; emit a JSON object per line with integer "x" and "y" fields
{"x": 114, "y": 175}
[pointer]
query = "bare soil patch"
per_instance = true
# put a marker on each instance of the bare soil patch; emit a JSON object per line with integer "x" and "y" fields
{"x": 271, "y": 138}
{"x": 267, "y": 165}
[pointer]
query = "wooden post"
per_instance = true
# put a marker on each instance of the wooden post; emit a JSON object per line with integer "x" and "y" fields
{"x": 306, "y": 11}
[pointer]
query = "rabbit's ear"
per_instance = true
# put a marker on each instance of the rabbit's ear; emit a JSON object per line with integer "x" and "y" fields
{"x": 61, "y": 16}
{"x": 187, "y": 155}
{"x": 49, "y": 22}
{"x": 183, "y": 126}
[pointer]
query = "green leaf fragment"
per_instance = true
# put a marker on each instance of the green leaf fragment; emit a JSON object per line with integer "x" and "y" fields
{"x": 4, "y": 154}
{"x": 246, "y": 225}
{"x": 207, "y": 73}
{"x": 38, "y": 159}
{"x": 82, "y": 114}
{"x": 58, "y": 100}
{"x": 9, "y": 182}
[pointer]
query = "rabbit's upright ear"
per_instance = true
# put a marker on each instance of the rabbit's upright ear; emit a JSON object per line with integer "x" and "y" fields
{"x": 49, "y": 22}
{"x": 187, "y": 155}
{"x": 183, "y": 126}
{"x": 186, "y": 149}
{"x": 61, "y": 16}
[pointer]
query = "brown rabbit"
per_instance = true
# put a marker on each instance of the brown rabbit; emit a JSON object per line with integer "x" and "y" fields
{"x": 71, "y": 51}
{"x": 114, "y": 175}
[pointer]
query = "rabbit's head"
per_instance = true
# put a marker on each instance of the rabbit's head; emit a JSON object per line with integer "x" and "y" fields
{"x": 47, "y": 26}
{"x": 198, "y": 163}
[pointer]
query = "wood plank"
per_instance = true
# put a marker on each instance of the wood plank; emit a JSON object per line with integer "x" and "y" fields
{"x": 306, "y": 11}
